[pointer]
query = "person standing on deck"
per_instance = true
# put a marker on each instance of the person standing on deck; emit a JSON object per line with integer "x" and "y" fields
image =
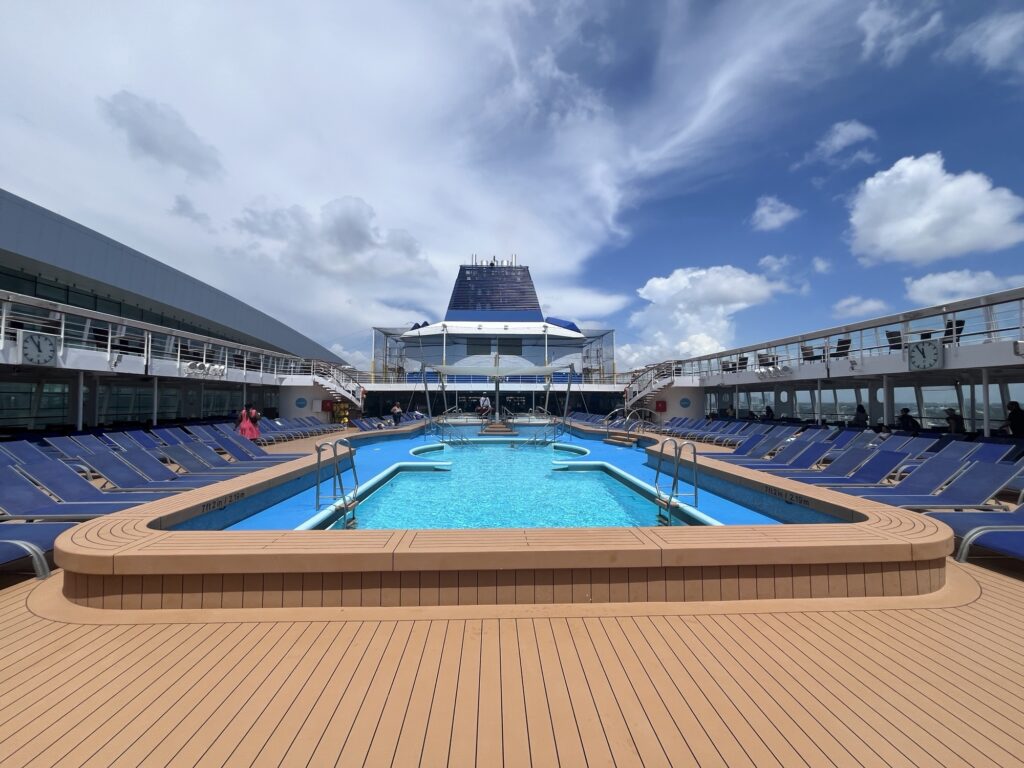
{"x": 248, "y": 422}
{"x": 396, "y": 414}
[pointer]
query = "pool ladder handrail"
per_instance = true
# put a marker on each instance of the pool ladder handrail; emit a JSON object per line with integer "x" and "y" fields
{"x": 338, "y": 492}
{"x": 640, "y": 423}
{"x": 548, "y": 434}
{"x": 608, "y": 421}
{"x": 673, "y": 493}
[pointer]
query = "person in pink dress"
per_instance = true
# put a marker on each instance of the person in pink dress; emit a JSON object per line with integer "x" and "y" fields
{"x": 248, "y": 422}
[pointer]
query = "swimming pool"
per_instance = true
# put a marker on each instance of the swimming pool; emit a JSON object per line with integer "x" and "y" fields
{"x": 503, "y": 485}
{"x": 500, "y": 486}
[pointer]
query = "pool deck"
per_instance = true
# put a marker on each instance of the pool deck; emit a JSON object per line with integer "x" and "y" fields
{"x": 132, "y": 560}
{"x": 908, "y": 681}
{"x": 904, "y": 679}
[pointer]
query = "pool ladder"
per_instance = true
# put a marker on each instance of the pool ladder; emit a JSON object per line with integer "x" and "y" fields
{"x": 338, "y": 494}
{"x": 545, "y": 436}
{"x": 665, "y": 499}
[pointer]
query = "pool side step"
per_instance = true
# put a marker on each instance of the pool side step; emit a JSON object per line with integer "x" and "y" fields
{"x": 497, "y": 429}
{"x": 621, "y": 438}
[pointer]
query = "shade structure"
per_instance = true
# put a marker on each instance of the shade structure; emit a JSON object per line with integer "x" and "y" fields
{"x": 499, "y": 370}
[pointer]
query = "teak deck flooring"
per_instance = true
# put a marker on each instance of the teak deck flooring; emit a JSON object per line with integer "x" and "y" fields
{"x": 930, "y": 680}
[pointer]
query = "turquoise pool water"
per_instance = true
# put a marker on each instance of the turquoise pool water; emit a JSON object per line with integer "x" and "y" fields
{"x": 503, "y": 485}
{"x": 522, "y": 489}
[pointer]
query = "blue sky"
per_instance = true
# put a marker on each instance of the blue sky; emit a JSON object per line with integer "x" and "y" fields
{"x": 694, "y": 174}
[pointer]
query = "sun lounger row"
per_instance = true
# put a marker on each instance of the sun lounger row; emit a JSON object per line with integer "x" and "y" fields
{"x": 45, "y": 487}
{"x": 370, "y": 423}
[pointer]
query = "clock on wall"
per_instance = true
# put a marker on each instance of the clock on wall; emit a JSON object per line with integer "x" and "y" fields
{"x": 923, "y": 355}
{"x": 38, "y": 349}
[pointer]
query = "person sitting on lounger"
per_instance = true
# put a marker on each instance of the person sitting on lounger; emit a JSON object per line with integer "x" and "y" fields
{"x": 769, "y": 414}
{"x": 860, "y": 418}
{"x": 954, "y": 422}
{"x": 1014, "y": 423}
{"x": 906, "y": 422}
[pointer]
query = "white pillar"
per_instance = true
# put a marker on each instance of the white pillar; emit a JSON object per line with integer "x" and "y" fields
{"x": 817, "y": 404}
{"x": 985, "y": 427}
{"x": 974, "y": 408}
{"x": 887, "y": 404}
{"x": 156, "y": 400}
{"x": 80, "y": 401}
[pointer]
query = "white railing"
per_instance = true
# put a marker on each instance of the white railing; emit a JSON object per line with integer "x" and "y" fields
{"x": 983, "y": 320}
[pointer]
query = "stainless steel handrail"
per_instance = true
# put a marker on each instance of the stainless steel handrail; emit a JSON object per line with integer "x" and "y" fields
{"x": 673, "y": 493}
{"x": 338, "y": 492}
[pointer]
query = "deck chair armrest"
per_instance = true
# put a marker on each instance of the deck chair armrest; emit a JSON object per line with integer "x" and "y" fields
{"x": 972, "y": 536}
{"x": 997, "y": 507}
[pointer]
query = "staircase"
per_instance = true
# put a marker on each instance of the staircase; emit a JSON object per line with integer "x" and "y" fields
{"x": 647, "y": 383}
{"x": 337, "y": 383}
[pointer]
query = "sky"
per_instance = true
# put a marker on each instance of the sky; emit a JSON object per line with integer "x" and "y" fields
{"x": 696, "y": 175}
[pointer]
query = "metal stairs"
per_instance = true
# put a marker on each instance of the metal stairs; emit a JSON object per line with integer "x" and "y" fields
{"x": 647, "y": 383}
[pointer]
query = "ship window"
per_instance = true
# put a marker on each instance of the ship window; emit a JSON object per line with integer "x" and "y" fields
{"x": 478, "y": 346}
{"x": 510, "y": 346}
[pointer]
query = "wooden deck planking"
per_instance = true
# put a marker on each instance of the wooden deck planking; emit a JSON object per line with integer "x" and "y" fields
{"x": 747, "y": 684}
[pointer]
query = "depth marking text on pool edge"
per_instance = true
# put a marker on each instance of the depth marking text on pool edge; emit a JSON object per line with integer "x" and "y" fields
{"x": 223, "y": 501}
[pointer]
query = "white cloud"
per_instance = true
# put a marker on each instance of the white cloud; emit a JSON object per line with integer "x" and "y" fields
{"x": 996, "y": 42}
{"x": 690, "y": 312}
{"x": 774, "y": 264}
{"x": 159, "y": 132}
{"x": 944, "y": 287}
{"x": 841, "y": 136}
{"x": 186, "y": 209}
{"x": 491, "y": 128}
{"x": 771, "y": 213}
{"x": 354, "y": 357}
{"x": 890, "y": 34}
{"x": 917, "y": 212}
{"x": 821, "y": 266}
{"x": 858, "y": 306}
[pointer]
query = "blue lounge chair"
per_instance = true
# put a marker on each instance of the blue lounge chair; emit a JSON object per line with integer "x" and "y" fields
{"x": 93, "y": 443}
{"x": 972, "y": 489}
{"x": 927, "y": 478}
{"x": 121, "y": 476}
{"x": 761, "y": 450}
{"x": 810, "y": 455}
{"x": 154, "y": 469}
{"x": 843, "y": 438}
{"x": 239, "y": 447}
{"x": 1000, "y": 532}
{"x": 739, "y": 437}
{"x": 188, "y": 461}
{"x": 874, "y": 470}
{"x": 66, "y": 446}
{"x": 20, "y": 499}
{"x": 744, "y": 448}
{"x": 67, "y": 485}
{"x": 209, "y": 456}
{"x": 31, "y": 540}
{"x": 176, "y": 436}
{"x": 23, "y": 451}
{"x": 843, "y": 465}
{"x": 782, "y": 458}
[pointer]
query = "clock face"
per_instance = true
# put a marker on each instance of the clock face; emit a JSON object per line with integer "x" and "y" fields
{"x": 924, "y": 355}
{"x": 37, "y": 349}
